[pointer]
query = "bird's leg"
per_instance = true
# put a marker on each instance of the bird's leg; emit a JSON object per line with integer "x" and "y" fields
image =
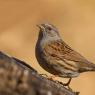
{"x": 68, "y": 83}
{"x": 52, "y": 79}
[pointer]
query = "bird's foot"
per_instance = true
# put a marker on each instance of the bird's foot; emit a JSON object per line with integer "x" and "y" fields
{"x": 48, "y": 77}
{"x": 68, "y": 87}
{"x": 52, "y": 78}
{"x": 44, "y": 75}
{"x": 65, "y": 84}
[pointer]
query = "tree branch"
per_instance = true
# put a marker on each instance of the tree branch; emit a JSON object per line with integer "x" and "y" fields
{"x": 18, "y": 78}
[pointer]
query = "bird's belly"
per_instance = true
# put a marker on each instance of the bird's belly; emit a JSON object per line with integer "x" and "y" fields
{"x": 46, "y": 66}
{"x": 54, "y": 69}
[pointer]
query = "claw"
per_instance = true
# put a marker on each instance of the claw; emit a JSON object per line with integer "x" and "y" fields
{"x": 45, "y": 75}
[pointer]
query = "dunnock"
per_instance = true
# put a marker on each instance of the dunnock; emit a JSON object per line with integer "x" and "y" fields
{"x": 56, "y": 57}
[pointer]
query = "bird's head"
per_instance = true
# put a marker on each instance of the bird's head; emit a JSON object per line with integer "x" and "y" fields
{"x": 48, "y": 30}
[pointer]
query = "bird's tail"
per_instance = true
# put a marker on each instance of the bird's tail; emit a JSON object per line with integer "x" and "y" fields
{"x": 88, "y": 67}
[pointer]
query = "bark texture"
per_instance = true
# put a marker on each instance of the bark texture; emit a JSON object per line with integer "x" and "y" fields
{"x": 18, "y": 78}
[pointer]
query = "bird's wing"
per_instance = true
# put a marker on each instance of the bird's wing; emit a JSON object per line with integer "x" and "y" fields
{"x": 60, "y": 50}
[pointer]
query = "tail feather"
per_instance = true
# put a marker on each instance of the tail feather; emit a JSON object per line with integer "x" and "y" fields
{"x": 91, "y": 66}
{"x": 88, "y": 67}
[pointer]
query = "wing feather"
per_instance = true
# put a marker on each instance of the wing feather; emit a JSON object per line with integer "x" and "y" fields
{"x": 60, "y": 50}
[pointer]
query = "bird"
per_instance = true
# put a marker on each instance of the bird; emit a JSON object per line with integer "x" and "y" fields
{"x": 57, "y": 57}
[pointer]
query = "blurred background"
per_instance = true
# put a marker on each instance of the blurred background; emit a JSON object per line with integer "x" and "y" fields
{"x": 75, "y": 20}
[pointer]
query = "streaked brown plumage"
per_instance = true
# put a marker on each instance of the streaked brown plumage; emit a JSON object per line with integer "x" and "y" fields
{"x": 55, "y": 56}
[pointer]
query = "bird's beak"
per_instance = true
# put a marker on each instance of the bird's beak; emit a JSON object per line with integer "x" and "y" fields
{"x": 40, "y": 26}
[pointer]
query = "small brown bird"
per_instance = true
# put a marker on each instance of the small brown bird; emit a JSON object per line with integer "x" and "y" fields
{"x": 56, "y": 57}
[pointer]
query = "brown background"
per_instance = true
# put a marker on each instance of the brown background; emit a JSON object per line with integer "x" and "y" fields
{"x": 74, "y": 18}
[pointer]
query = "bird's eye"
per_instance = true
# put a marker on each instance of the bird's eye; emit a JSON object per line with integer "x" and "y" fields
{"x": 49, "y": 28}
